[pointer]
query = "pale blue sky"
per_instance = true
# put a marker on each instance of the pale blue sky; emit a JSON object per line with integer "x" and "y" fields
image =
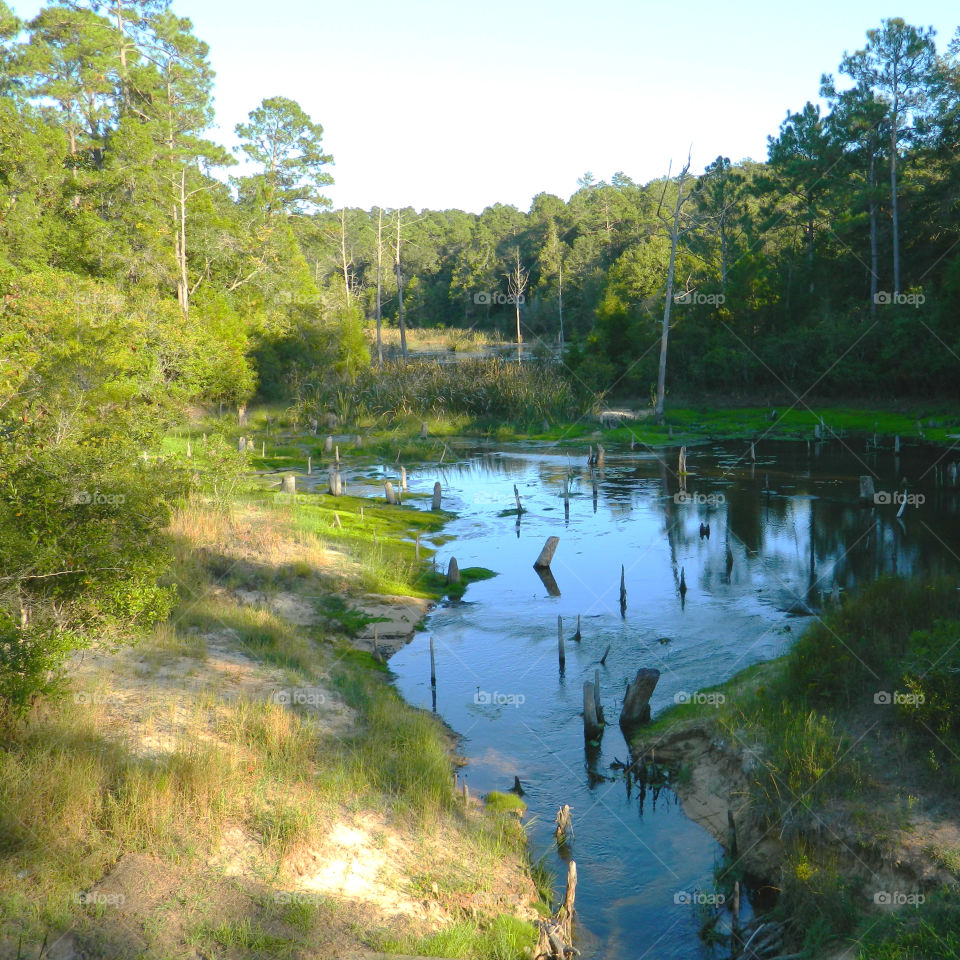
{"x": 465, "y": 104}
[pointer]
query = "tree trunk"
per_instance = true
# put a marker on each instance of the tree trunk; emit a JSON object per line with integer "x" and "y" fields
{"x": 874, "y": 259}
{"x": 894, "y": 209}
{"x": 403, "y": 329}
{"x": 665, "y": 336}
{"x": 379, "y": 285}
{"x": 560, "y": 297}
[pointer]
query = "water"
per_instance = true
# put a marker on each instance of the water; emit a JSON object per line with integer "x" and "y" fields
{"x": 793, "y": 527}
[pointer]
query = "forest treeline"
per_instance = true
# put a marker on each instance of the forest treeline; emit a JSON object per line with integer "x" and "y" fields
{"x": 144, "y": 268}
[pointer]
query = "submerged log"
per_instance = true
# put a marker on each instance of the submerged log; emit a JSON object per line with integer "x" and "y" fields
{"x": 636, "y": 700}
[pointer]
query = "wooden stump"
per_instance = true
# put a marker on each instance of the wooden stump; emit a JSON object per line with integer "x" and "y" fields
{"x": 288, "y": 484}
{"x": 390, "y": 492}
{"x": 564, "y": 822}
{"x": 436, "y": 497}
{"x": 592, "y": 730}
{"x": 403, "y": 478}
{"x": 866, "y": 489}
{"x": 242, "y": 445}
{"x": 423, "y": 431}
{"x": 546, "y": 554}
{"x": 561, "y": 650}
{"x": 453, "y": 571}
{"x": 636, "y": 700}
{"x": 328, "y": 445}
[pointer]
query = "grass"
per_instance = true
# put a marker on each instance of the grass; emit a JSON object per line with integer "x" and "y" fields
{"x": 503, "y": 939}
{"x": 75, "y": 797}
{"x": 836, "y": 746}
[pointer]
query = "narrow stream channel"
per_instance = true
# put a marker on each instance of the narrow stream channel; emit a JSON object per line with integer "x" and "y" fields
{"x": 793, "y": 527}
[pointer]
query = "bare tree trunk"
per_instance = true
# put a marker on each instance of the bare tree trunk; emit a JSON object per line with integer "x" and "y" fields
{"x": 894, "y": 207}
{"x": 379, "y": 284}
{"x": 665, "y": 335}
{"x": 874, "y": 257}
{"x": 343, "y": 255}
{"x": 403, "y": 329}
{"x": 183, "y": 286}
{"x": 560, "y": 296}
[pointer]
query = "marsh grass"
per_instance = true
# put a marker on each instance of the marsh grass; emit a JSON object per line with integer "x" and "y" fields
{"x": 74, "y": 797}
{"x": 804, "y": 713}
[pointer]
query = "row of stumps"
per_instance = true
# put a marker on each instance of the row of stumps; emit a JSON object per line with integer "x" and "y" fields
{"x": 555, "y": 941}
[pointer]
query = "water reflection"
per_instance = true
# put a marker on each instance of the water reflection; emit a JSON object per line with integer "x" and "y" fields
{"x": 787, "y": 531}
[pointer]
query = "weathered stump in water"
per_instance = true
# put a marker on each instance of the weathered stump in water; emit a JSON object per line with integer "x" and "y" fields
{"x": 592, "y": 728}
{"x": 561, "y": 651}
{"x": 390, "y": 492}
{"x": 564, "y": 822}
{"x": 436, "y": 497}
{"x": 328, "y": 445}
{"x": 682, "y": 462}
{"x": 596, "y": 696}
{"x": 636, "y": 700}
{"x": 251, "y": 446}
{"x": 546, "y": 554}
{"x": 601, "y": 455}
{"x": 516, "y": 494}
{"x": 242, "y": 445}
{"x": 683, "y": 583}
{"x": 403, "y": 479}
{"x": 288, "y": 484}
{"x": 623, "y": 591}
{"x": 867, "y": 491}
{"x": 453, "y": 571}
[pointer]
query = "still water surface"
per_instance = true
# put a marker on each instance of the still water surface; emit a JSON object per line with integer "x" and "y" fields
{"x": 792, "y": 526}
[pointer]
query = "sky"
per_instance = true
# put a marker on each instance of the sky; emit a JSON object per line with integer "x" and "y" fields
{"x": 461, "y": 104}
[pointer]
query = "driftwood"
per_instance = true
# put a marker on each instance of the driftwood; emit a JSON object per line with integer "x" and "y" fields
{"x": 556, "y": 935}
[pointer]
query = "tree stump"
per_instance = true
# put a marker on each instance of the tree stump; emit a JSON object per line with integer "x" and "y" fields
{"x": 390, "y": 492}
{"x": 636, "y": 700}
{"x": 288, "y": 484}
{"x": 867, "y": 491}
{"x": 592, "y": 730}
{"x": 435, "y": 505}
{"x": 453, "y": 571}
{"x": 546, "y": 554}
{"x": 328, "y": 445}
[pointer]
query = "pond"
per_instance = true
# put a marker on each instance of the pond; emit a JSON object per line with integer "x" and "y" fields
{"x": 784, "y": 529}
